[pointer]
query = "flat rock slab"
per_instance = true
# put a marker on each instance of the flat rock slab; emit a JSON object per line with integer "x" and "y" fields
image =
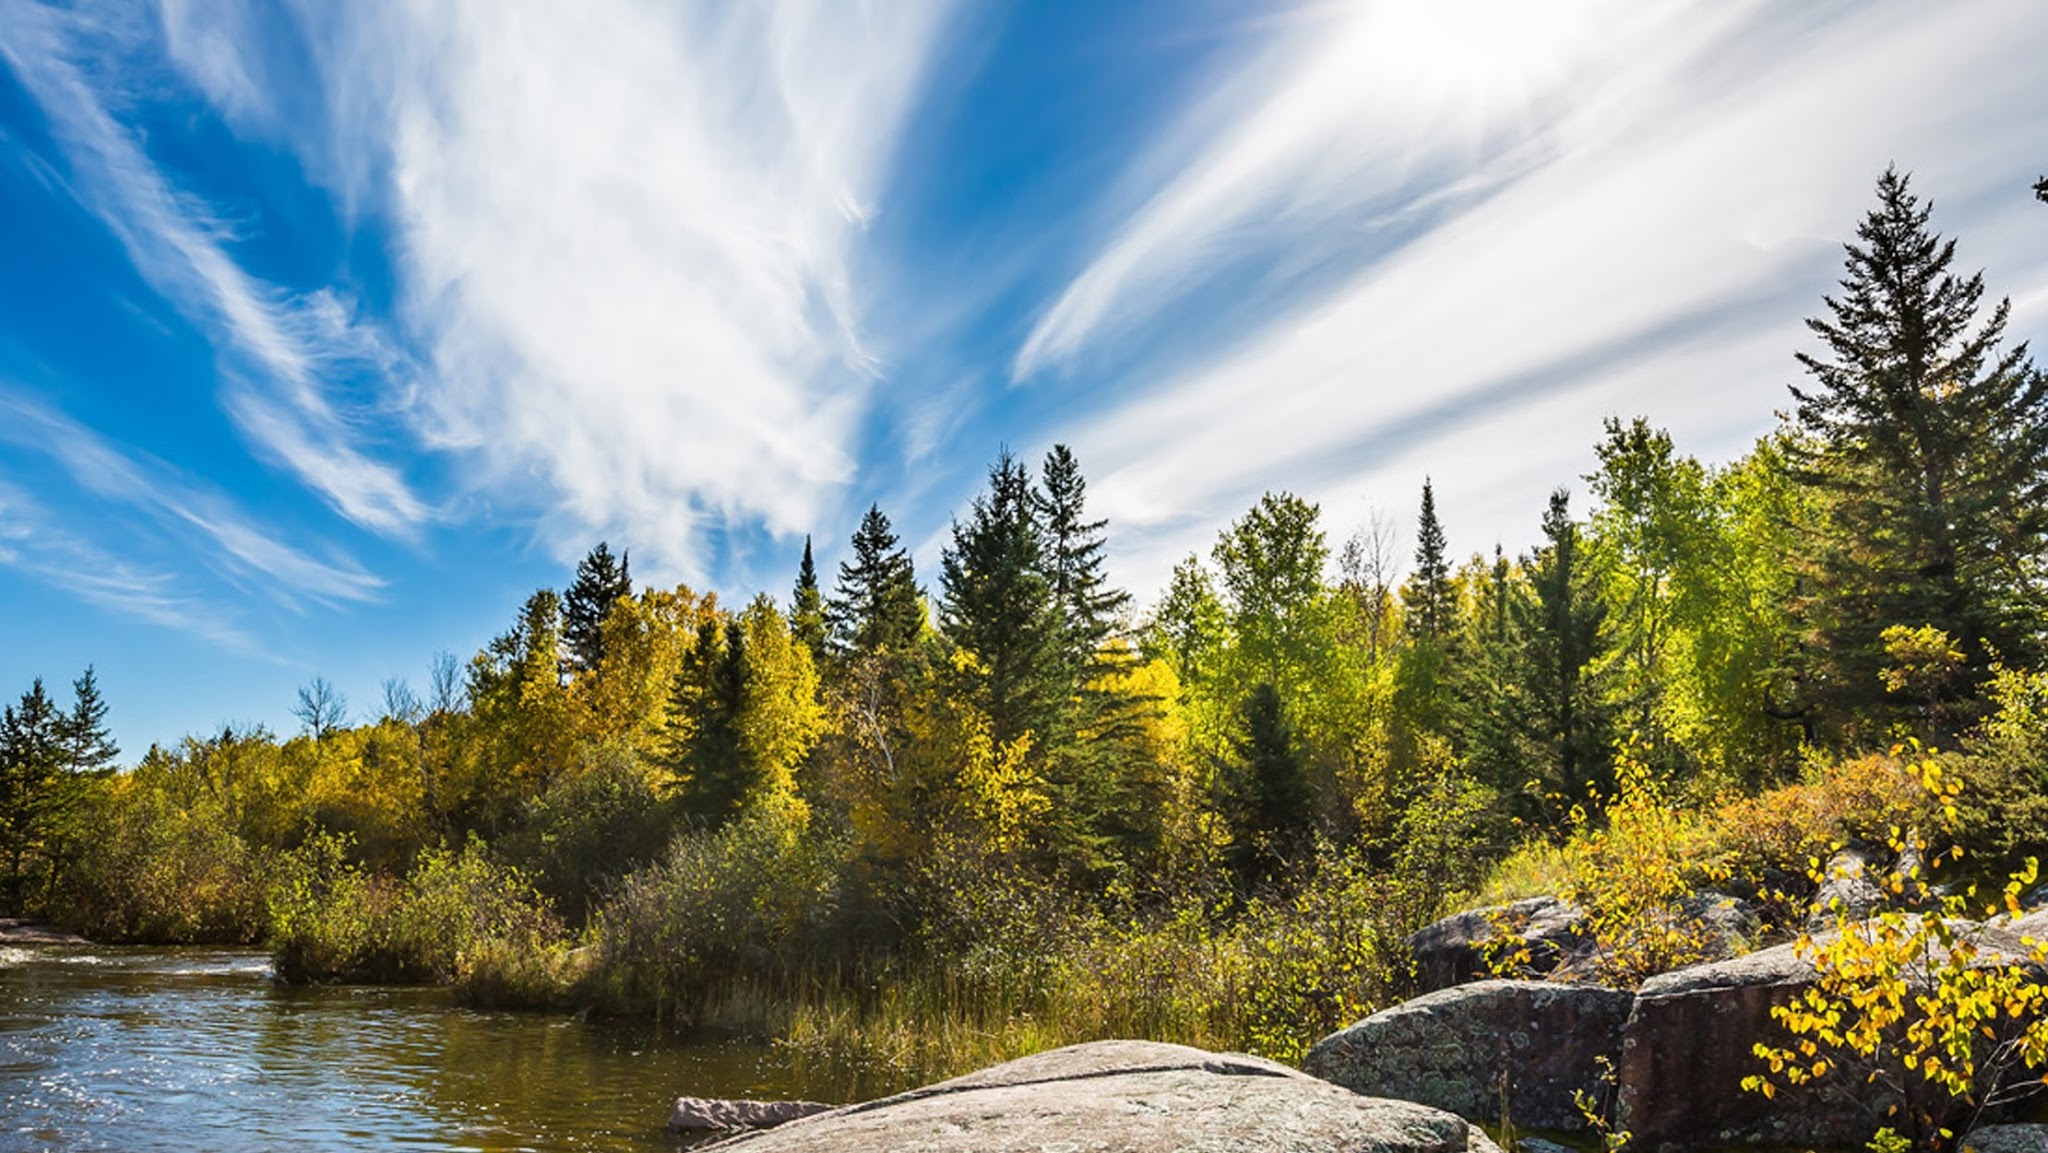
{"x": 1126, "y": 1097}
{"x": 2008, "y": 1139}
{"x": 1526, "y": 1048}
{"x": 19, "y": 932}
{"x": 711, "y": 1114}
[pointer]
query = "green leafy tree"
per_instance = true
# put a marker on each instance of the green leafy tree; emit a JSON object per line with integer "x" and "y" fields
{"x": 1928, "y": 450}
{"x": 600, "y": 581}
{"x": 1272, "y": 561}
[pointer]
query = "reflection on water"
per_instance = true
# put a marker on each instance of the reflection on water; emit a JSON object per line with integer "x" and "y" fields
{"x": 138, "y": 1050}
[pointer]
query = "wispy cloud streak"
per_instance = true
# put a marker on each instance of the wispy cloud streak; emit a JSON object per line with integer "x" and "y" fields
{"x": 291, "y": 347}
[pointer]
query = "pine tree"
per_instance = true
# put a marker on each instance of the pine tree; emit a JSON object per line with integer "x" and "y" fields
{"x": 1087, "y": 605}
{"x": 600, "y": 582}
{"x": 709, "y": 746}
{"x": 876, "y": 606}
{"x": 1428, "y": 596}
{"x": 88, "y": 744}
{"x": 1269, "y": 804}
{"x": 1928, "y": 450}
{"x": 1566, "y": 726}
{"x": 32, "y": 753}
{"x": 807, "y": 608}
{"x": 997, "y": 604}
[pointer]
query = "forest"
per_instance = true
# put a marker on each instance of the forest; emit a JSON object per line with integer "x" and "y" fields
{"x": 935, "y": 818}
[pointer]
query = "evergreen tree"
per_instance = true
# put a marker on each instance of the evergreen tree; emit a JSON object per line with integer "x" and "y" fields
{"x": 88, "y": 744}
{"x": 32, "y": 754}
{"x": 807, "y": 608}
{"x": 1485, "y": 702}
{"x": 1269, "y": 805}
{"x": 709, "y": 745}
{"x": 1565, "y": 722}
{"x": 996, "y": 603}
{"x": 600, "y": 582}
{"x": 1428, "y": 596}
{"x": 1928, "y": 450}
{"x": 876, "y": 606}
{"x": 2041, "y": 189}
{"x": 1087, "y": 605}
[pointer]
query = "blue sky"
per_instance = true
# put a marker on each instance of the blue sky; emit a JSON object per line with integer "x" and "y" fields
{"x": 329, "y": 331}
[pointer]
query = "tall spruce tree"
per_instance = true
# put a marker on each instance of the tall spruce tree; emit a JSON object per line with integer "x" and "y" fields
{"x": 32, "y": 754}
{"x": 875, "y": 606}
{"x": 88, "y": 744}
{"x": 1088, "y": 606}
{"x": 997, "y": 603}
{"x": 1928, "y": 450}
{"x": 1268, "y": 802}
{"x": 600, "y": 581}
{"x": 807, "y": 608}
{"x": 1565, "y": 723}
{"x": 707, "y": 743}
{"x": 1428, "y": 598}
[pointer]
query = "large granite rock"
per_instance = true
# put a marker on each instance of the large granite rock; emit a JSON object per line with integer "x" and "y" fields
{"x": 1691, "y": 1040}
{"x": 1126, "y": 1097}
{"x": 1519, "y": 1048}
{"x": 1452, "y": 951}
{"x": 2007, "y": 1139}
{"x": 1850, "y": 888}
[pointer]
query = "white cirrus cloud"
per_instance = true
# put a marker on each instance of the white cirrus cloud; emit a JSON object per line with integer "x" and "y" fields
{"x": 1647, "y": 243}
{"x": 286, "y": 356}
{"x": 626, "y": 239}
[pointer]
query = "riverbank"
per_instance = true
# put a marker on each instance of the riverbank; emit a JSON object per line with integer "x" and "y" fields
{"x": 18, "y": 931}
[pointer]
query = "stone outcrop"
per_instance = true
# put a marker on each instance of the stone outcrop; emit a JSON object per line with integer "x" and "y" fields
{"x": 1521, "y": 1050}
{"x": 1126, "y": 1097}
{"x": 711, "y": 1115}
{"x": 1452, "y": 951}
{"x": 2008, "y": 1139}
{"x": 1849, "y": 889}
{"x": 14, "y": 931}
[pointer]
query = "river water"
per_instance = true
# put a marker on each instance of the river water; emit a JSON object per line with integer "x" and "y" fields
{"x": 195, "y": 1049}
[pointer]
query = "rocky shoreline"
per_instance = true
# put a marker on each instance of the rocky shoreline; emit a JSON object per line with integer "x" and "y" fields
{"x": 15, "y": 931}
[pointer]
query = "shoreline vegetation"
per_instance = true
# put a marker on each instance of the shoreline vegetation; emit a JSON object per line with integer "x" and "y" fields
{"x": 931, "y": 826}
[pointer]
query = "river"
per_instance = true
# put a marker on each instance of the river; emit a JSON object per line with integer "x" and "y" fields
{"x": 200, "y": 1049}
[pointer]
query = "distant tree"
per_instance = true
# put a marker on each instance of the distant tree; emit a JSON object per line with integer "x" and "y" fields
{"x": 1268, "y": 804}
{"x": 88, "y": 744}
{"x": 1928, "y": 450}
{"x": 1190, "y": 626}
{"x": 321, "y": 708}
{"x": 401, "y": 704}
{"x": 996, "y": 602}
{"x": 876, "y": 605}
{"x": 2041, "y": 189}
{"x": 600, "y": 582}
{"x": 807, "y": 608}
{"x": 1272, "y": 561}
{"x": 444, "y": 684}
{"x": 1366, "y": 566}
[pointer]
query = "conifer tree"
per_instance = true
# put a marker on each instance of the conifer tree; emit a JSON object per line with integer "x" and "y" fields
{"x": 996, "y": 603}
{"x": 1087, "y": 605}
{"x": 709, "y": 746}
{"x": 1428, "y": 596}
{"x": 1928, "y": 449}
{"x": 32, "y": 753}
{"x": 807, "y": 608}
{"x": 1269, "y": 804}
{"x": 876, "y": 606}
{"x": 88, "y": 744}
{"x": 1566, "y": 724}
{"x": 600, "y": 582}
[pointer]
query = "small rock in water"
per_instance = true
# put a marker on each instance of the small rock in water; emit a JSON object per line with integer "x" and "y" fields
{"x": 709, "y": 1114}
